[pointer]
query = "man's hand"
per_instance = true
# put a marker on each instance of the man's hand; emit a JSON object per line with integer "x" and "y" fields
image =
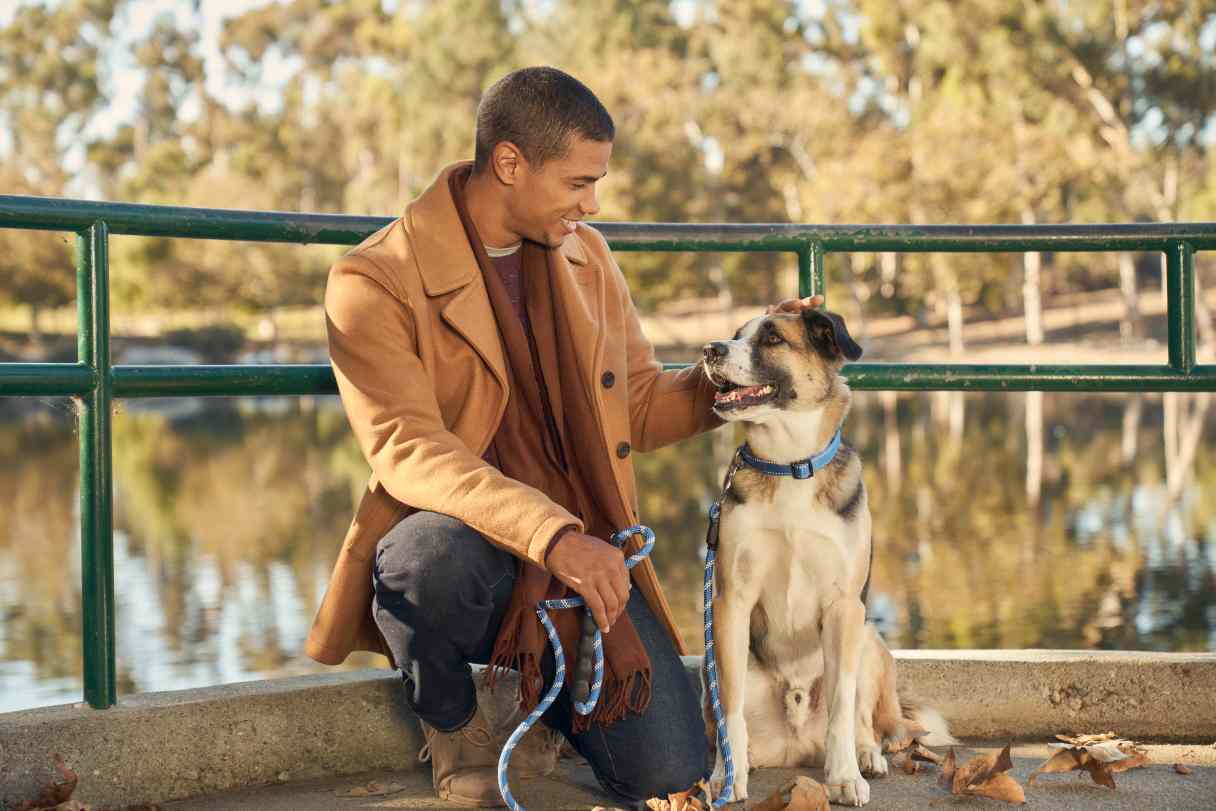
{"x": 795, "y": 305}
{"x": 596, "y": 570}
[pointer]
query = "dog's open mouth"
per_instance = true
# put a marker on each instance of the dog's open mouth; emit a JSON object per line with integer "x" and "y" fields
{"x": 732, "y": 395}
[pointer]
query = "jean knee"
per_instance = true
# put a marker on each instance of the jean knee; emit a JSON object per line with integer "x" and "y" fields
{"x": 678, "y": 767}
{"x": 434, "y": 559}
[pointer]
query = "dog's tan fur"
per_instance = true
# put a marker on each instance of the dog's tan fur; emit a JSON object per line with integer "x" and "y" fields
{"x": 803, "y": 679}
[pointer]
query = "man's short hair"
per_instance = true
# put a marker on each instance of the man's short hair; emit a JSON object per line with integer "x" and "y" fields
{"x": 538, "y": 109}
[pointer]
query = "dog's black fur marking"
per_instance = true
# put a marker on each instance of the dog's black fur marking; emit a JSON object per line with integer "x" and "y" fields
{"x": 829, "y": 336}
{"x": 849, "y": 508}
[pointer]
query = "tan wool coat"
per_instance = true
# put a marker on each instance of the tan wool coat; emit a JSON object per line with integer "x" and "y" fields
{"x": 419, "y": 364}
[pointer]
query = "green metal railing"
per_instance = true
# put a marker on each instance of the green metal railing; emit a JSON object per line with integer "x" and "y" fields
{"x": 96, "y": 382}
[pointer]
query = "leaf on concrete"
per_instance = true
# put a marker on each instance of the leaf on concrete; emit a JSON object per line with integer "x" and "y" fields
{"x": 986, "y": 776}
{"x": 923, "y": 753}
{"x": 799, "y": 794}
{"x": 949, "y": 767}
{"x": 55, "y": 792}
{"x": 373, "y": 789}
{"x": 1182, "y": 768}
{"x": 681, "y": 801}
{"x": 905, "y": 762}
{"x": 911, "y": 732}
{"x": 1102, "y": 756}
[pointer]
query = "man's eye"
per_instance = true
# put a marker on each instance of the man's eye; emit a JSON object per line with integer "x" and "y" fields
{"x": 578, "y": 185}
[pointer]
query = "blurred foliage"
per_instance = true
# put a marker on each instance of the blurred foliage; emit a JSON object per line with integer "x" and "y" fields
{"x": 971, "y": 111}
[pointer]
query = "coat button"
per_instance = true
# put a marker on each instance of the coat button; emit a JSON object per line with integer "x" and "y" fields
{"x": 608, "y": 379}
{"x": 622, "y": 450}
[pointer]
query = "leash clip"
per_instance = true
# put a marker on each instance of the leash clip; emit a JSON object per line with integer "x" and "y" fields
{"x": 802, "y": 470}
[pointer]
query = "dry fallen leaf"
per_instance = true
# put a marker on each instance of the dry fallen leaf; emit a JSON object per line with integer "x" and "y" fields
{"x": 1182, "y": 768}
{"x": 983, "y": 776}
{"x": 55, "y": 792}
{"x": 799, "y": 794}
{"x": 373, "y": 789}
{"x": 912, "y": 732}
{"x": 681, "y": 801}
{"x": 1102, "y": 756}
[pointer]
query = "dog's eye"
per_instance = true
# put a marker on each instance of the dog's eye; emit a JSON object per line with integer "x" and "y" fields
{"x": 773, "y": 338}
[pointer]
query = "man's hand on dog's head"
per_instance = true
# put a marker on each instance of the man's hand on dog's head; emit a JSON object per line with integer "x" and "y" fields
{"x": 596, "y": 570}
{"x": 795, "y": 305}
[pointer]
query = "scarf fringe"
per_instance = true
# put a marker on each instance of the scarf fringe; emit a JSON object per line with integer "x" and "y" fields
{"x": 618, "y": 698}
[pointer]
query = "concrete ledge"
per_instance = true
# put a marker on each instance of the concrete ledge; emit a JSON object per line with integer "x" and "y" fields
{"x": 156, "y": 747}
{"x": 1021, "y": 694}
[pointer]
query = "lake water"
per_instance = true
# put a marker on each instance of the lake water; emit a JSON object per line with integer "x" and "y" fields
{"x": 229, "y": 514}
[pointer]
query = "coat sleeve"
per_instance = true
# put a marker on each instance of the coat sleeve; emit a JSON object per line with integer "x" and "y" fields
{"x": 390, "y": 401}
{"x": 664, "y": 406}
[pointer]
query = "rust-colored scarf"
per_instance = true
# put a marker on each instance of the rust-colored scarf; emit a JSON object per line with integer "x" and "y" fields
{"x": 550, "y": 402}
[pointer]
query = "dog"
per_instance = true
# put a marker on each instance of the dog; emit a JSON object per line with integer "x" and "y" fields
{"x": 804, "y": 679}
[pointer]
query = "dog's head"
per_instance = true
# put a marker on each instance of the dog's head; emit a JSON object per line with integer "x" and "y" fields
{"x": 778, "y": 363}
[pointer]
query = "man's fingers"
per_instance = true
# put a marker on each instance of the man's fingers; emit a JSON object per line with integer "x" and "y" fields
{"x": 598, "y": 611}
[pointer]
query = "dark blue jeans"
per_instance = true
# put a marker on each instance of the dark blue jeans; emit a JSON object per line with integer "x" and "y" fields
{"x": 441, "y": 591}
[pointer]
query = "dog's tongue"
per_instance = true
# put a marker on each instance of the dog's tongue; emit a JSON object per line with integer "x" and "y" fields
{"x": 741, "y": 393}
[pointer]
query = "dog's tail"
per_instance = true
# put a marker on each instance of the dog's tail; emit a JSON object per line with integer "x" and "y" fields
{"x": 924, "y": 724}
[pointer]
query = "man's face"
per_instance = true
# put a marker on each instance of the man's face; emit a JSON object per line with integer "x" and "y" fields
{"x": 545, "y": 202}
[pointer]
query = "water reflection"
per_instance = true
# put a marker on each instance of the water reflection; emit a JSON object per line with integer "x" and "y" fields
{"x": 229, "y": 513}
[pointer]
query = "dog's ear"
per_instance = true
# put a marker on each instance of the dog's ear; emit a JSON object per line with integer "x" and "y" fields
{"x": 829, "y": 336}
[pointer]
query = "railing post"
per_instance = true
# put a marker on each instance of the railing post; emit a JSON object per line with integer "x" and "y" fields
{"x": 96, "y": 484}
{"x": 810, "y": 269}
{"x": 1180, "y": 308}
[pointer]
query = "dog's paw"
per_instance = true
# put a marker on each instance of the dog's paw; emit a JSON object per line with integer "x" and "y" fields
{"x": 854, "y": 791}
{"x": 871, "y": 761}
{"x": 717, "y": 782}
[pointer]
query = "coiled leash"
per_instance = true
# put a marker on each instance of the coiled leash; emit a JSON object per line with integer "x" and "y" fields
{"x": 593, "y": 694}
{"x": 596, "y": 647}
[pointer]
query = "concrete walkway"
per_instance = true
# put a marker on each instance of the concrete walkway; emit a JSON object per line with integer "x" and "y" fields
{"x": 1156, "y": 786}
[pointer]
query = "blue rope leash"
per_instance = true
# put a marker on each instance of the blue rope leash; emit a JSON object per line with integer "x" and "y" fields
{"x": 583, "y": 708}
{"x": 711, "y": 662}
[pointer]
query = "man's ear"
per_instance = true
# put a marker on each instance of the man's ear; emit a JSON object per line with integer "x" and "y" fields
{"x": 829, "y": 336}
{"x": 506, "y": 161}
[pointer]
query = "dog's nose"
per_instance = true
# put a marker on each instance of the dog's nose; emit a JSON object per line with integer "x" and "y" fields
{"x": 715, "y": 350}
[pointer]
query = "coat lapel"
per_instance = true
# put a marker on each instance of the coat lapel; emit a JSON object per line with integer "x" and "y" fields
{"x": 447, "y": 264}
{"x": 581, "y": 298}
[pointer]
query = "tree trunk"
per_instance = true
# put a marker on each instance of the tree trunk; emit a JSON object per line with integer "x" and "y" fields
{"x": 892, "y": 460}
{"x": 1132, "y": 410}
{"x": 1188, "y": 423}
{"x": 1130, "y": 327}
{"x": 35, "y": 326}
{"x": 1032, "y": 262}
{"x": 954, "y": 318}
{"x": 1034, "y": 447}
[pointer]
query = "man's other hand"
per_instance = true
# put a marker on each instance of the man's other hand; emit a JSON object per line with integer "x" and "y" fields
{"x": 795, "y": 305}
{"x": 596, "y": 570}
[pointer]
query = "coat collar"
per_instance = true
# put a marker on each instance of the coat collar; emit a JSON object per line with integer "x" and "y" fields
{"x": 445, "y": 259}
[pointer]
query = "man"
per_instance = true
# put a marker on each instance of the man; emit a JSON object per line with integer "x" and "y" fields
{"x": 494, "y": 371}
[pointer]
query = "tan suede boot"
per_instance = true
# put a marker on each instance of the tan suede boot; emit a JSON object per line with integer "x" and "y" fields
{"x": 464, "y": 763}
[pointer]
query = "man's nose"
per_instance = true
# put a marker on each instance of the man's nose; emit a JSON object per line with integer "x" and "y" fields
{"x": 589, "y": 205}
{"x": 715, "y": 350}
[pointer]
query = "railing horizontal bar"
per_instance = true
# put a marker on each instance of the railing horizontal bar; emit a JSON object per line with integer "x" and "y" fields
{"x": 46, "y": 379}
{"x": 51, "y": 213}
{"x": 55, "y": 214}
{"x": 907, "y": 238}
{"x": 1010, "y": 377}
{"x": 67, "y": 379}
{"x": 223, "y": 381}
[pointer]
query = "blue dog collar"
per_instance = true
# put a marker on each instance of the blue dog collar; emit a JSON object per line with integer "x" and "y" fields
{"x": 801, "y": 469}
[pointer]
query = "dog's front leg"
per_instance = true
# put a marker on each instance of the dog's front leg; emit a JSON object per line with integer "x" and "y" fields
{"x": 732, "y": 614}
{"x": 843, "y": 634}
